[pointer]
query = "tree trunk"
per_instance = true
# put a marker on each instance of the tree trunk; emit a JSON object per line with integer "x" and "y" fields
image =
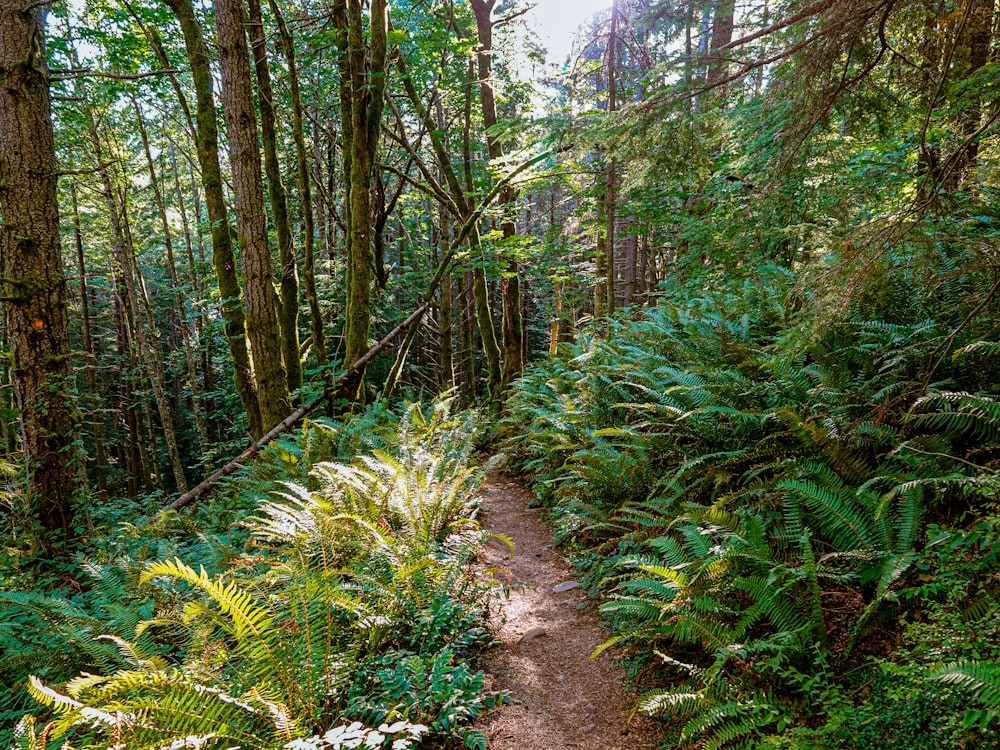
{"x": 223, "y": 257}
{"x": 322, "y": 224}
{"x": 203, "y": 343}
{"x": 722, "y": 34}
{"x": 145, "y": 334}
{"x": 601, "y": 267}
{"x": 642, "y": 287}
{"x": 129, "y": 278}
{"x": 363, "y": 80}
{"x": 554, "y": 326}
{"x": 487, "y": 333}
{"x": 100, "y": 448}
{"x": 185, "y": 329}
{"x": 305, "y": 196}
{"x": 468, "y": 339}
{"x": 34, "y": 285}
{"x": 288, "y": 320}
{"x": 630, "y": 264}
{"x": 251, "y": 218}
{"x": 979, "y": 39}
{"x": 610, "y": 255}
{"x": 510, "y": 290}
{"x": 609, "y": 197}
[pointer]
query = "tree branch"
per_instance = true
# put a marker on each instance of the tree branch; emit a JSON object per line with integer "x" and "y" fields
{"x": 71, "y": 74}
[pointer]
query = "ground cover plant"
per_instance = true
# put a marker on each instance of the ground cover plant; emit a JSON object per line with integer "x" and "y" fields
{"x": 344, "y": 612}
{"x": 750, "y": 249}
{"x": 793, "y": 531}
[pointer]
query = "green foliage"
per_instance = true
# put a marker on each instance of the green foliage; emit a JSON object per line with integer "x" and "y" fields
{"x": 352, "y": 601}
{"x": 753, "y": 496}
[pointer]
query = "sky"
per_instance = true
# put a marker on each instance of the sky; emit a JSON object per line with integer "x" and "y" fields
{"x": 557, "y": 21}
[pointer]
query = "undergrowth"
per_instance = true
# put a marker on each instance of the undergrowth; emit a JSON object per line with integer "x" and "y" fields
{"x": 323, "y": 600}
{"x": 793, "y": 526}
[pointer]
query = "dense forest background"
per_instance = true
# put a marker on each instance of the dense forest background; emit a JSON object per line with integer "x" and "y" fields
{"x": 722, "y": 287}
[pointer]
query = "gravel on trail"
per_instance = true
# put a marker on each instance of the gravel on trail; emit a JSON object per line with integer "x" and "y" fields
{"x": 548, "y": 628}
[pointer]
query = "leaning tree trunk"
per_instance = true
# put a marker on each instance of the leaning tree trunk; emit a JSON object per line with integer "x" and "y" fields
{"x": 34, "y": 285}
{"x": 203, "y": 342}
{"x": 146, "y": 337}
{"x": 251, "y": 218}
{"x": 459, "y": 197}
{"x": 100, "y": 441}
{"x": 130, "y": 279}
{"x": 223, "y": 257}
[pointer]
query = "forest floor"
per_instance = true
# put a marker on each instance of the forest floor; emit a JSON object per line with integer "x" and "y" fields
{"x": 548, "y": 628}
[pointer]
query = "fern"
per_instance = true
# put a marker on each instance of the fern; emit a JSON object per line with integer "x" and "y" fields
{"x": 276, "y": 645}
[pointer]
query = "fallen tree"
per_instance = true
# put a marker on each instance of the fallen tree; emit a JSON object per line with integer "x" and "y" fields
{"x": 409, "y": 325}
{"x": 292, "y": 418}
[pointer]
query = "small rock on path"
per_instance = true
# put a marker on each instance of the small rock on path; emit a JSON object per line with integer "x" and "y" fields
{"x": 562, "y": 699}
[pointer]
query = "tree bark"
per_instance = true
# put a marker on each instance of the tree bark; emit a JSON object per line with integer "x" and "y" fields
{"x": 288, "y": 320}
{"x": 182, "y": 318}
{"x": 223, "y": 257}
{"x": 363, "y": 79}
{"x": 510, "y": 289}
{"x": 251, "y": 218}
{"x": 305, "y": 196}
{"x": 722, "y": 34}
{"x": 34, "y": 285}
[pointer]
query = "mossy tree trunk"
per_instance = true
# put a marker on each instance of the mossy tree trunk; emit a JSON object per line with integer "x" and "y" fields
{"x": 362, "y": 95}
{"x": 223, "y": 256}
{"x": 34, "y": 284}
{"x": 251, "y": 218}
{"x": 304, "y": 185}
{"x": 288, "y": 286}
{"x": 510, "y": 285}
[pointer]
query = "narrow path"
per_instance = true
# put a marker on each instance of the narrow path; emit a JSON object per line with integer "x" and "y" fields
{"x": 562, "y": 699}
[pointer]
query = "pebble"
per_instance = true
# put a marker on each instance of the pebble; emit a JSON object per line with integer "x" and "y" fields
{"x": 565, "y": 586}
{"x": 587, "y": 728}
{"x": 533, "y": 633}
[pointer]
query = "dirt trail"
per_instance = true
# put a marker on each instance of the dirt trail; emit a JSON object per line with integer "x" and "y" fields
{"x": 563, "y": 699}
